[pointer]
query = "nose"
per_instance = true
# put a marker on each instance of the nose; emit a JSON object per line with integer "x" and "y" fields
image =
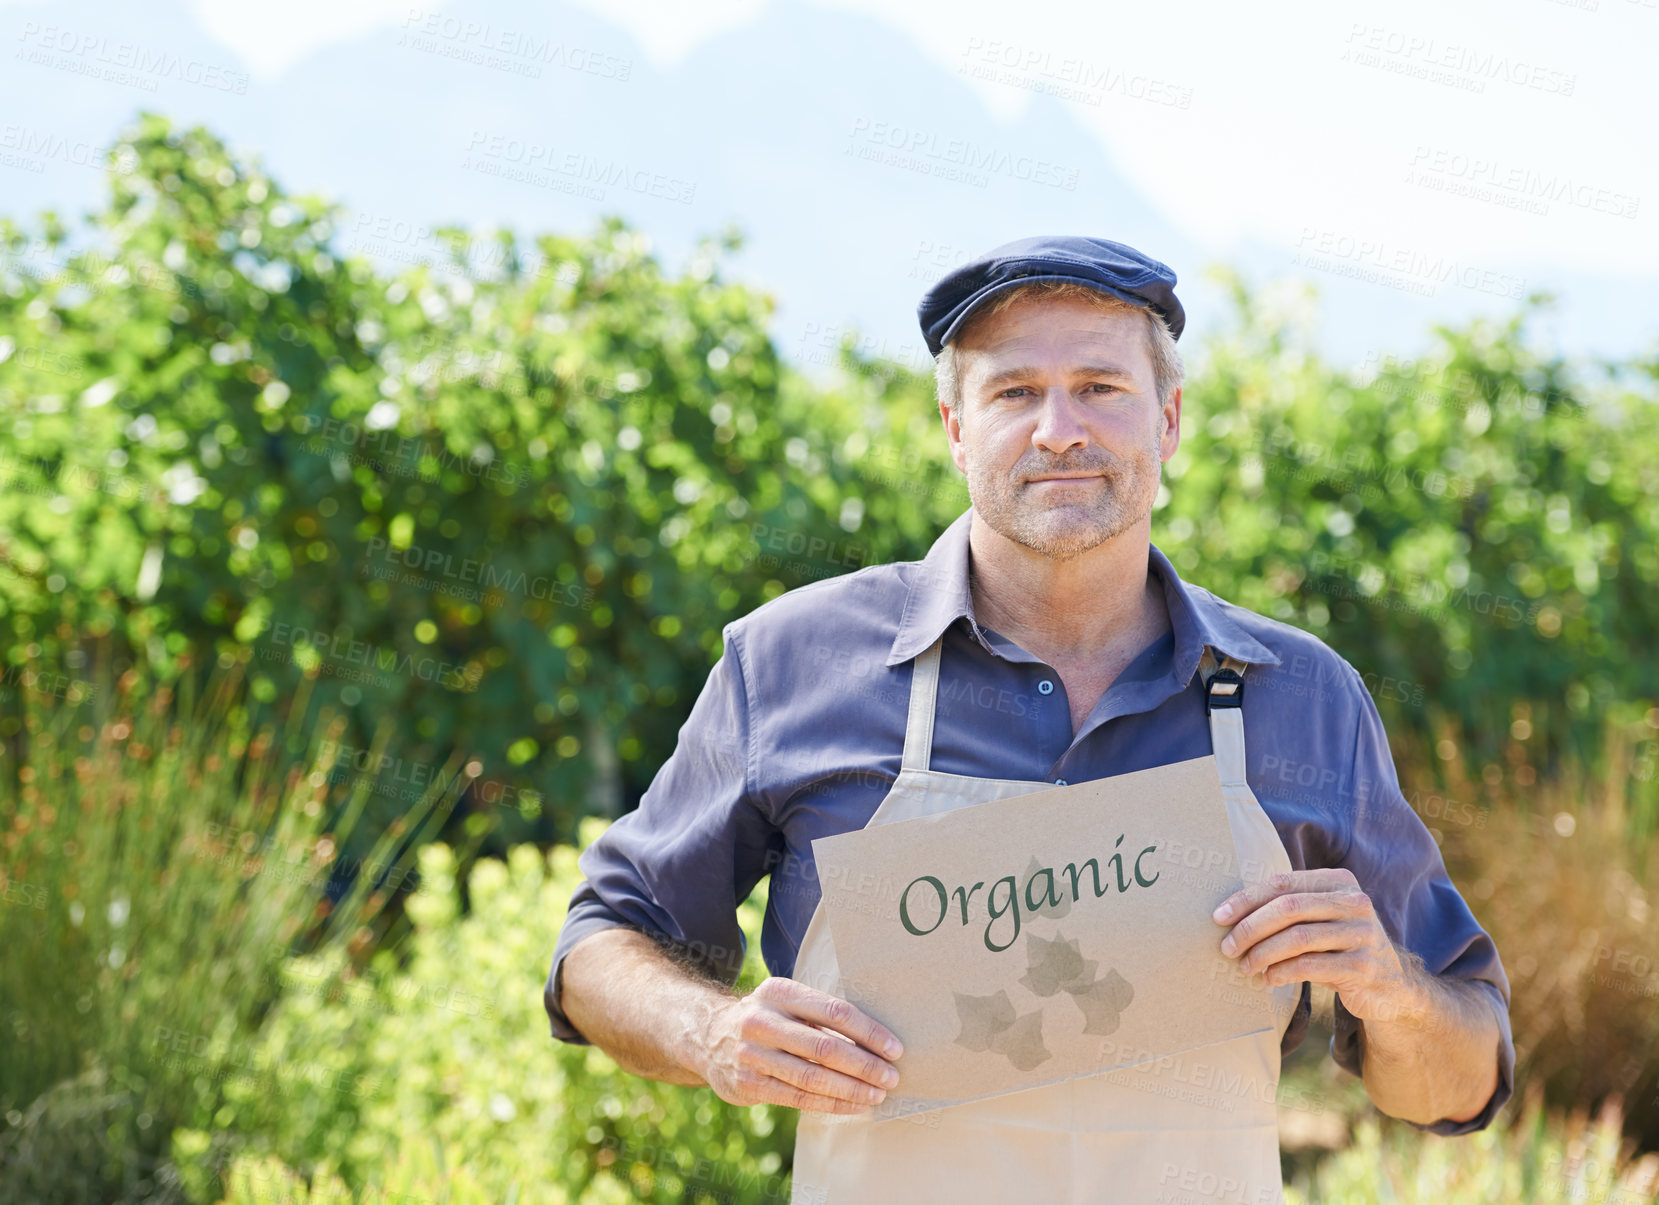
{"x": 1059, "y": 423}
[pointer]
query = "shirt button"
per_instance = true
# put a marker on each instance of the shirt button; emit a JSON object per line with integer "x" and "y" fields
{"x": 1045, "y": 687}
{"x": 1060, "y": 782}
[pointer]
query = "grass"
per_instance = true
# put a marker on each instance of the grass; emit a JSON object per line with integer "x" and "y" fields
{"x": 165, "y": 857}
{"x": 1527, "y": 1156}
{"x": 1557, "y": 879}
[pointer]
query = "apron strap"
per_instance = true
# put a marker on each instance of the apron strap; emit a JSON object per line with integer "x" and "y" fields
{"x": 1224, "y": 702}
{"x": 924, "y": 694}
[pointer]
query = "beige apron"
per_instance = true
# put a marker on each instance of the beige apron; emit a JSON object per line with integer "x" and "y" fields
{"x": 1200, "y": 1126}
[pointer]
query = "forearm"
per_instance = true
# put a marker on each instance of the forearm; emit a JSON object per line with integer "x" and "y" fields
{"x": 1437, "y": 1056}
{"x": 631, "y": 999}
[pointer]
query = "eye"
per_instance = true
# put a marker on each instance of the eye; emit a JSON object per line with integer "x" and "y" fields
{"x": 1103, "y": 385}
{"x": 1007, "y": 392}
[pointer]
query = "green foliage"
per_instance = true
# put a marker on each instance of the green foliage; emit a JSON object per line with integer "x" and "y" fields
{"x": 507, "y": 506}
{"x": 508, "y": 501}
{"x": 80, "y": 1143}
{"x": 435, "y": 1074}
{"x": 157, "y": 868}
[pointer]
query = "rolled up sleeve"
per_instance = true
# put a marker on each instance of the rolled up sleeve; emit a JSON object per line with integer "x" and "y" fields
{"x": 1397, "y": 862}
{"x": 678, "y": 865}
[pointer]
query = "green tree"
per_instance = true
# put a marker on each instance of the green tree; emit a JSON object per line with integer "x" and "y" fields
{"x": 509, "y": 498}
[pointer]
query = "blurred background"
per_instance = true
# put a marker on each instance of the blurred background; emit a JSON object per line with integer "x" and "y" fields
{"x": 397, "y": 402}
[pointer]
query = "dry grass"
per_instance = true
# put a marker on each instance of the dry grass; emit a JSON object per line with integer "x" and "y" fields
{"x": 1565, "y": 892}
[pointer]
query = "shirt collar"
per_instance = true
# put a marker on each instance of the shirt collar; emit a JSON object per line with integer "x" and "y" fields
{"x": 938, "y": 596}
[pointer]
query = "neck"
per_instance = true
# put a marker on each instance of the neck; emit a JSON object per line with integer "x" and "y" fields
{"x": 1101, "y": 602}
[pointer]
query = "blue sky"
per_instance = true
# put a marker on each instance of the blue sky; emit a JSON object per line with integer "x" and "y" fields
{"x": 1417, "y": 162}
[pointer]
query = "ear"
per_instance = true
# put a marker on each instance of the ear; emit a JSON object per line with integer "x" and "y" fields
{"x": 953, "y": 435}
{"x": 1171, "y": 437}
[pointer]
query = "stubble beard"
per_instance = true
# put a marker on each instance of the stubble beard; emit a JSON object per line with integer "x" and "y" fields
{"x": 1064, "y": 528}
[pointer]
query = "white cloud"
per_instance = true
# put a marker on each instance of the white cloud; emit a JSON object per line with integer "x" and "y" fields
{"x": 273, "y": 37}
{"x": 668, "y": 30}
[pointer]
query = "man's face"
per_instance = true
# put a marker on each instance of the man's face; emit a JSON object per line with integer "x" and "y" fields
{"x": 1059, "y": 429}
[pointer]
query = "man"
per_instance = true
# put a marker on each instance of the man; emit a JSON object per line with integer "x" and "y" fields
{"x": 1064, "y": 648}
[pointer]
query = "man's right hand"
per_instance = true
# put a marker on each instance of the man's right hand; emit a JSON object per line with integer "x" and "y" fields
{"x": 789, "y": 1044}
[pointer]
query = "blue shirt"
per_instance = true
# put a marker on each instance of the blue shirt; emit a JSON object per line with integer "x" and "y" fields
{"x": 799, "y": 731}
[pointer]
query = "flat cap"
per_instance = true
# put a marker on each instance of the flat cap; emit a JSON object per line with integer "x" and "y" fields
{"x": 1114, "y": 268}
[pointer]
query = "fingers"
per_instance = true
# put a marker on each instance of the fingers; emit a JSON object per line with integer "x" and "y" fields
{"x": 756, "y": 1088}
{"x": 808, "y": 1050}
{"x": 825, "y": 1030}
{"x": 830, "y": 1052}
{"x": 1300, "y": 939}
{"x": 781, "y": 1061}
{"x": 832, "y": 1012}
{"x": 820, "y": 1086}
{"x": 795, "y": 1046}
{"x": 1288, "y": 912}
{"x": 1339, "y": 970}
{"x": 1254, "y": 895}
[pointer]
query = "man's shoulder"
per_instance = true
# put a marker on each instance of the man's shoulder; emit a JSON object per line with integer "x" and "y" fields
{"x": 1306, "y": 663}
{"x": 858, "y": 611}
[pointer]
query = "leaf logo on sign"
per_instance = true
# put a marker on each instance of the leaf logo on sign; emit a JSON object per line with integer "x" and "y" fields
{"x": 989, "y": 1023}
{"x": 992, "y": 1023}
{"x": 1055, "y": 966}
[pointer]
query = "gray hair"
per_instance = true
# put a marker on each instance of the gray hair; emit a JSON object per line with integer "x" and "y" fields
{"x": 1167, "y": 369}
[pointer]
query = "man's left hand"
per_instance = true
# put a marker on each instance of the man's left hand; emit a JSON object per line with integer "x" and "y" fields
{"x": 1319, "y": 925}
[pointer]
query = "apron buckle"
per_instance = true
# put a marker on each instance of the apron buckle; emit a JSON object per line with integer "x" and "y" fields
{"x": 1226, "y": 689}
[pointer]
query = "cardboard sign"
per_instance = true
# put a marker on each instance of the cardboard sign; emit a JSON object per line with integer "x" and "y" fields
{"x": 1063, "y": 933}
